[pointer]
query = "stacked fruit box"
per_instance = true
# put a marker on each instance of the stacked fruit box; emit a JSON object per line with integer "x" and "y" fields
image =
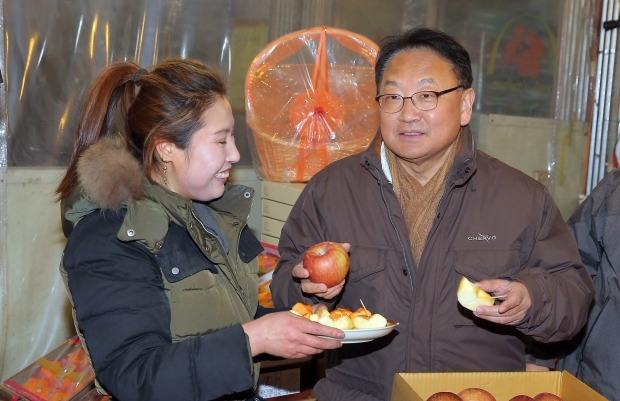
{"x": 62, "y": 375}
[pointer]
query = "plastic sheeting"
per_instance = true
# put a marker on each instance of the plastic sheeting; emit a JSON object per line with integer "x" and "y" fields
{"x": 54, "y": 48}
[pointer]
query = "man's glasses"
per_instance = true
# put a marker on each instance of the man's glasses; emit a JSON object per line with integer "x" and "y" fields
{"x": 424, "y": 100}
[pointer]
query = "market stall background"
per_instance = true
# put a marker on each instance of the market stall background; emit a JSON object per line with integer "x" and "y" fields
{"x": 53, "y": 49}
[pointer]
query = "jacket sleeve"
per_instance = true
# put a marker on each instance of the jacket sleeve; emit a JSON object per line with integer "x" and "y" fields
{"x": 560, "y": 287}
{"x": 123, "y": 314}
{"x": 581, "y": 226}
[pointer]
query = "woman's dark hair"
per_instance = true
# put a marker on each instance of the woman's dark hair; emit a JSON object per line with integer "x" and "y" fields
{"x": 439, "y": 42}
{"x": 165, "y": 104}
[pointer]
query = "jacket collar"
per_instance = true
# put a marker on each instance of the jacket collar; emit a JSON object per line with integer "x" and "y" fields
{"x": 464, "y": 162}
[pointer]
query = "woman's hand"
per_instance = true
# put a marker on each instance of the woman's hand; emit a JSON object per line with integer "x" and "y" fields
{"x": 287, "y": 335}
{"x": 318, "y": 289}
{"x": 514, "y": 305}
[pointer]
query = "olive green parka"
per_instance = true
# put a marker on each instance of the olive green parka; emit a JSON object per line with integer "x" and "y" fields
{"x": 157, "y": 299}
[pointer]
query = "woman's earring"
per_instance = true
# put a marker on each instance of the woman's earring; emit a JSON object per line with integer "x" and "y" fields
{"x": 165, "y": 173}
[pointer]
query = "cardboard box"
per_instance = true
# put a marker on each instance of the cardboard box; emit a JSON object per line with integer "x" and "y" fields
{"x": 503, "y": 385}
{"x": 290, "y": 378}
{"x": 278, "y": 383}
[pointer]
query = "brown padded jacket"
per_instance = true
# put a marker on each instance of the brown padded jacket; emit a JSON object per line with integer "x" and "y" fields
{"x": 493, "y": 221}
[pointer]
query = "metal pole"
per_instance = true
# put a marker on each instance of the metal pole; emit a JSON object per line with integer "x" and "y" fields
{"x": 3, "y": 202}
{"x": 603, "y": 94}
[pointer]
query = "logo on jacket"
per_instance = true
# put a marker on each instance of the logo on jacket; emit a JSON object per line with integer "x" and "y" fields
{"x": 482, "y": 237}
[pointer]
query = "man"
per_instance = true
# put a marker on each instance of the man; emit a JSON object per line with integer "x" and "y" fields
{"x": 594, "y": 355}
{"x": 421, "y": 208}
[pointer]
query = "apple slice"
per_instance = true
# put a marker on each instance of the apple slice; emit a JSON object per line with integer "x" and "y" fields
{"x": 343, "y": 323}
{"x": 313, "y": 317}
{"x": 374, "y": 321}
{"x": 470, "y": 296}
{"x": 327, "y": 321}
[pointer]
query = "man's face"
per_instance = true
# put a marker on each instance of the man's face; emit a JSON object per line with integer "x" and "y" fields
{"x": 423, "y": 138}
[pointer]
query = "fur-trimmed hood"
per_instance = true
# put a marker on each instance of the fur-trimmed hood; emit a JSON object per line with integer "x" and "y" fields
{"x": 110, "y": 178}
{"x": 109, "y": 175}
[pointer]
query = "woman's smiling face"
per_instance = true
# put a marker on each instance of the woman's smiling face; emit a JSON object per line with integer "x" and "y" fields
{"x": 200, "y": 172}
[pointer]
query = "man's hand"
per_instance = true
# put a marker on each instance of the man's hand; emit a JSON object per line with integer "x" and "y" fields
{"x": 514, "y": 303}
{"x": 318, "y": 289}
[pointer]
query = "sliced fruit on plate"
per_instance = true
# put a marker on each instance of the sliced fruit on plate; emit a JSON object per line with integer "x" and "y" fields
{"x": 374, "y": 321}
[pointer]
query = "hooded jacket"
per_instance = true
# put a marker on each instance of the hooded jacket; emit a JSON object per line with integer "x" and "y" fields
{"x": 157, "y": 299}
{"x": 594, "y": 355}
{"x": 492, "y": 222}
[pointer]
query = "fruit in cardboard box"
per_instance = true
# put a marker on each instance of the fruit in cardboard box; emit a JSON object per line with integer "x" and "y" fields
{"x": 476, "y": 394}
{"x": 327, "y": 262}
{"x": 546, "y": 397}
{"x": 470, "y": 296}
{"x": 444, "y": 396}
{"x": 479, "y": 394}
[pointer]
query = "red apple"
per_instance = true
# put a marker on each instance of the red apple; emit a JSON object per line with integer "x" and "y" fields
{"x": 476, "y": 394}
{"x": 327, "y": 262}
{"x": 521, "y": 397}
{"x": 546, "y": 397}
{"x": 444, "y": 396}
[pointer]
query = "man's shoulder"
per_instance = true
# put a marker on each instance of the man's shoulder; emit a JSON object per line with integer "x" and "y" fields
{"x": 342, "y": 168}
{"x": 495, "y": 169}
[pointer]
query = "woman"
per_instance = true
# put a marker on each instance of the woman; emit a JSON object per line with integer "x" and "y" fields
{"x": 160, "y": 264}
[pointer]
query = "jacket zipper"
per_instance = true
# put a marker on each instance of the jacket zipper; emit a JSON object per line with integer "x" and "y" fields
{"x": 232, "y": 280}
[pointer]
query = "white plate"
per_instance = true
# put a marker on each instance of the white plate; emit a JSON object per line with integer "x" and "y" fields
{"x": 364, "y": 335}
